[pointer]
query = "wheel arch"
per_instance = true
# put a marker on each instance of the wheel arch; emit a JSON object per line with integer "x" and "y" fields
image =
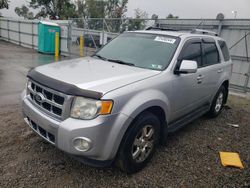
{"x": 157, "y": 111}
{"x": 152, "y": 101}
{"x": 160, "y": 114}
{"x": 226, "y": 85}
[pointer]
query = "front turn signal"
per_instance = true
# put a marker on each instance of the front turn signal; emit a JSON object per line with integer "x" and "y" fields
{"x": 106, "y": 107}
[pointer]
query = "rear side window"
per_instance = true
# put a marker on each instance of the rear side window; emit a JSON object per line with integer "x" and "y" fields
{"x": 192, "y": 52}
{"x": 224, "y": 50}
{"x": 211, "y": 55}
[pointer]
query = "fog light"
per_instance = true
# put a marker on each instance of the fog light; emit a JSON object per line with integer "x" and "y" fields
{"x": 82, "y": 144}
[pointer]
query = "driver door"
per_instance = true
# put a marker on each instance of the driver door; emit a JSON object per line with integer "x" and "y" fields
{"x": 188, "y": 95}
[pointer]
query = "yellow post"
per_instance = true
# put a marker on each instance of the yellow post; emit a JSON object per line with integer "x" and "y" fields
{"x": 57, "y": 46}
{"x": 81, "y": 46}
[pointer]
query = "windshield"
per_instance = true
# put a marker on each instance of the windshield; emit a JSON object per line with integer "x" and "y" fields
{"x": 141, "y": 50}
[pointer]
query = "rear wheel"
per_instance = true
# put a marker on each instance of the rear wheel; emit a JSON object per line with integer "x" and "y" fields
{"x": 139, "y": 143}
{"x": 218, "y": 102}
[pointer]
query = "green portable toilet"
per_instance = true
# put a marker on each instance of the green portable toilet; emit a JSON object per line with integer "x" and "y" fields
{"x": 46, "y": 36}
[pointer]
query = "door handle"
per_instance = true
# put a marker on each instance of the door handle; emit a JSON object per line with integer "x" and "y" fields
{"x": 220, "y": 70}
{"x": 199, "y": 79}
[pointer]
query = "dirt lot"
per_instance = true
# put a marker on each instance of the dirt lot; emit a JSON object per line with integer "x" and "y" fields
{"x": 190, "y": 159}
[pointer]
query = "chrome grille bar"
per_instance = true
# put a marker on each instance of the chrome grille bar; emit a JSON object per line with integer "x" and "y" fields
{"x": 48, "y": 100}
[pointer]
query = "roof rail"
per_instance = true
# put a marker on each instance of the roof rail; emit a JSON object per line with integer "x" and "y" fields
{"x": 160, "y": 28}
{"x": 204, "y": 32}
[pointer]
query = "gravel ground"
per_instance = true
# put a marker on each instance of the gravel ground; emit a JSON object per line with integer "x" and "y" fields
{"x": 190, "y": 159}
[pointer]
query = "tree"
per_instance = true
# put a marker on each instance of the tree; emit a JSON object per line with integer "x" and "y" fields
{"x": 65, "y": 9}
{"x": 116, "y": 8}
{"x": 101, "y": 8}
{"x": 154, "y": 17}
{"x": 81, "y": 8}
{"x": 171, "y": 16}
{"x": 24, "y": 12}
{"x": 90, "y": 9}
{"x": 55, "y": 9}
{"x": 4, "y": 4}
{"x": 139, "y": 22}
{"x": 220, "y": 16}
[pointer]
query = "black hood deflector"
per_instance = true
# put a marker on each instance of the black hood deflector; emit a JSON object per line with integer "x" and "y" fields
{"x": 60, "y": 86}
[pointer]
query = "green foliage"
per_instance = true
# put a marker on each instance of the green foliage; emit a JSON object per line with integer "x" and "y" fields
{"x": 4, "y": 4}
{"x": 55, "y": 9}
{"x": 82, "y": 10}
{"x": 65, "y": 9}
{"x": 24, "y": 12}
{"x": 154, "y": 17}
{"x": 95, "y": 9}
{"x": 116, "y": 8}
{"x": 139, "y": 22}
{"x": 62, "y": 9}
{"x": 102, "y": 8}
{"x": 171, "y": 16}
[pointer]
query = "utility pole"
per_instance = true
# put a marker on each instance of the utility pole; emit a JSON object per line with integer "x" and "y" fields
{"x": 235, "y": 13}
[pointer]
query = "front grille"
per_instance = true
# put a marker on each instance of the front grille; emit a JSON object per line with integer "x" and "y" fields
{"x": 49, "y": 100}
{"x": 42, "y": 132}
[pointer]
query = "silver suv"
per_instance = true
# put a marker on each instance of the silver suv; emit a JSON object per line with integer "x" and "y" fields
{"x": 119, "y": 104}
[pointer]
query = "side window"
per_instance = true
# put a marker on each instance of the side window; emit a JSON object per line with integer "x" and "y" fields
{"x": 192, "y": 52}
{"x": 224, "y": 50}
{"x": 211, "y": 55}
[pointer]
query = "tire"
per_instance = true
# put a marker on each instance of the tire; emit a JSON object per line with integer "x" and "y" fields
{"x": 137, "y": 149}
{"x": 218, "y": 102}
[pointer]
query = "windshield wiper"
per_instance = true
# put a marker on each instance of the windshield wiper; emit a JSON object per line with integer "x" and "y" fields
{"x": 100, "y": 57}
{"x": 114, "y": 60}
{"x": 121, "y": 62}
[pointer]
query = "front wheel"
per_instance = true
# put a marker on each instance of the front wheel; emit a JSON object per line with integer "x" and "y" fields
{"x": 139, "y": 143}
{"x": 218, "y": 102}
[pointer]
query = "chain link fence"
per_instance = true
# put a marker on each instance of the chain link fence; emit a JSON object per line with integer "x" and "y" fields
{"x": 95, "y": 33}
{"x": 83, "y": 37}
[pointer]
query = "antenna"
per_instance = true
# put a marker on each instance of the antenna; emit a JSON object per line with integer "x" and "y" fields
{"x": 202, "y": 21}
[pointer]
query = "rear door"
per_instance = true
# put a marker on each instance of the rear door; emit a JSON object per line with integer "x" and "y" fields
{"x": 211, "y": 68}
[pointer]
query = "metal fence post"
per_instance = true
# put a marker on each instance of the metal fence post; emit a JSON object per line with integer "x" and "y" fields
{"x": 8, "y": 29}
{"x": 247, "y": 57}
{"x": 56, "y": 46}
{"x": 81, "y": 46}
{"x": 69, "y": 40}
{"x": 32, "y": 35}
{"x": 0, "y": 27}
{"x": 103, "y": 31}
{"x": 19, "y": 32}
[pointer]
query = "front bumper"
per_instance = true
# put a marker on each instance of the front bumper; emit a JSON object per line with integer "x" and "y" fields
{"x": 105, "y": 132}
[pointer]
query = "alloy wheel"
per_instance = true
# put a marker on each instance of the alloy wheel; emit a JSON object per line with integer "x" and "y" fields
{"x": 143, "y": 144}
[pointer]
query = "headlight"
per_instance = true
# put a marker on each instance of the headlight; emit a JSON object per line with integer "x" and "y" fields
{"x": 28, "y": 85}
{"x": 84, "y": 108}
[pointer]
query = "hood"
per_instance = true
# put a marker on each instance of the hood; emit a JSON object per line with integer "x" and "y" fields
{"x": 95, "y": 74}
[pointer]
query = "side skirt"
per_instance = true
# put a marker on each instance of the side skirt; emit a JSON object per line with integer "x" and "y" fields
{"x": 178, "y": 124}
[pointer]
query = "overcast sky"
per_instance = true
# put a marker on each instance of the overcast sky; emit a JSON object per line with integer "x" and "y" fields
{"x": 181, "y": 8}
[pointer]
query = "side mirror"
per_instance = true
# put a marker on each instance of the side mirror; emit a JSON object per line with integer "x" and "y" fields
{"x": 187, "y": 67}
